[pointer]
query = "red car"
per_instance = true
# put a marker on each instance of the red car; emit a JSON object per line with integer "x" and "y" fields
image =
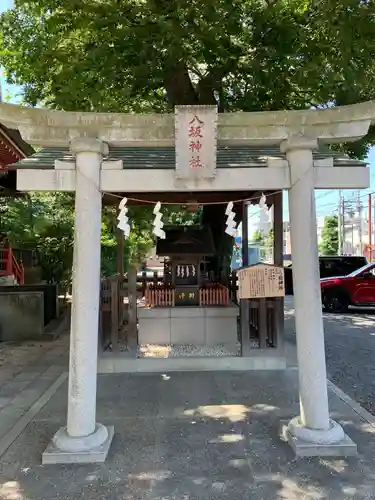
{"x": 355, "y": 289}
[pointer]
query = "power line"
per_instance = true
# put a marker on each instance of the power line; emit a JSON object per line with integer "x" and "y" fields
{"x": 324, "y": 194}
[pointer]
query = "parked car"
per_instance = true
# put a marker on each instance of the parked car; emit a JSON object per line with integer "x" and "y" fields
{"x": 337, "y": 265}
{"x": 355, "y": 289}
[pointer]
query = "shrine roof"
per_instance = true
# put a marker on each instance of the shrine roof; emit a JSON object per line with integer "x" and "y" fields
{"x": 15, "y": 137}
{"x": 164, "y": 157}
{"x": 12, "y": 148}
{"x": 186, "y": 240}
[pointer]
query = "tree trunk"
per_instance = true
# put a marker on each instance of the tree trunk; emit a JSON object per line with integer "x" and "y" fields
{"x": 179, "y": 88}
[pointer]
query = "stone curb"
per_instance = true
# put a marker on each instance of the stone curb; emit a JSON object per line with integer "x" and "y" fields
{"x": 54, "y": 331}
{"x": 356, "y": 407}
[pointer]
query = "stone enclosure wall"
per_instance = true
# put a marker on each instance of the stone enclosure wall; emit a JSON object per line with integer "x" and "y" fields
{"x": 49, "y": 297}
{"x": 26, "y": 310}
{"x": 21, "y": 315}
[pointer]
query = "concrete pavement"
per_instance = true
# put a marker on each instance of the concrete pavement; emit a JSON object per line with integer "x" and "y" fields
{"x": 179, "y": 436}
{"x": 350, "y": 348}
{"x": 195, "y": 435}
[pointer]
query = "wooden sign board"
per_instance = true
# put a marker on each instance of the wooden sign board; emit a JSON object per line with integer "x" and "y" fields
{"x": 261, "y": 281}
{"x": 196, "y": 141}
{"x": 186, "y": 296}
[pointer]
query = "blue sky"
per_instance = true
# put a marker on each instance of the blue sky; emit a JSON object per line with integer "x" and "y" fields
{"x": 5, "y": 5}
{"x": 326, "y": 200}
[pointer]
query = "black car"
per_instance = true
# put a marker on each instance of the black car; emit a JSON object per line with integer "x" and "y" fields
{"x": 329, "y": 266}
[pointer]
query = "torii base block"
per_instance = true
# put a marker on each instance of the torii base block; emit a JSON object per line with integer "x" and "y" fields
{"x": 53, "y": 455}
{"x": 344, "y": 448}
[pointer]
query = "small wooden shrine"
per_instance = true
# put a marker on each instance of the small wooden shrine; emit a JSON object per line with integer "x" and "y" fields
{"x": 187, "y": 279}
{"x": 187, "y": 306}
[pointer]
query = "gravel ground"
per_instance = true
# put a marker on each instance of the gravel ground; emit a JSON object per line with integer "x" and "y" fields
{"x": 173, "y": 351}
{"x": 350, "y": 352}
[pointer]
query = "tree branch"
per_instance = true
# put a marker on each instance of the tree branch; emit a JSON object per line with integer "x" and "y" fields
{"x": 212, "y": 82}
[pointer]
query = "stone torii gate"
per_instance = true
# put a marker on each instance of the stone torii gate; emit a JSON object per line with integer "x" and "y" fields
{"x": 89, "y": 136}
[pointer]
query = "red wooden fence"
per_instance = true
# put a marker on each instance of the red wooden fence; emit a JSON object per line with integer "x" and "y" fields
{"x": 217, "y": 296}
{"x": 159, "y": 297}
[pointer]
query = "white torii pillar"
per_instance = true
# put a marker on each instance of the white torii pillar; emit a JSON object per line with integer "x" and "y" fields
{"x": 312, "y": 432}
{"x": 84, "y": 440}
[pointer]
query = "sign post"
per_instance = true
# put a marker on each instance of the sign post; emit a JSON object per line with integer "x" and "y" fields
{"x": 261, "y": 281}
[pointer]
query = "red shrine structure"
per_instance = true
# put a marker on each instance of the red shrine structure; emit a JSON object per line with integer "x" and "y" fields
{"x": 12, "y": 148}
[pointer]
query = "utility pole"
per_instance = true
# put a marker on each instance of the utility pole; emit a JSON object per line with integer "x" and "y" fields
{"x": 340, "y": 224}
{"x": 369, "y": 226}
{"x": 359, "y": 210}
{"x": 343, "y": 234}
{"x": 352, "y": 238}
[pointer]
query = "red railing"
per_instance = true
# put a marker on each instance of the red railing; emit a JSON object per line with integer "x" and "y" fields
{"x": 155, "y": 297}
{"x": 218, "y": 295}
{"x": 215, "y": 296}
{"x": 9, "y": 266}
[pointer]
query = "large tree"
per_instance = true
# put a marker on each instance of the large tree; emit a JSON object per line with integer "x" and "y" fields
{"x": 149, "y": 55}
{"x": 330, "y": 236}
{"x": 43, "y": 222}
{"x": 141, "y": 55}
{"x": 258, "y": 237}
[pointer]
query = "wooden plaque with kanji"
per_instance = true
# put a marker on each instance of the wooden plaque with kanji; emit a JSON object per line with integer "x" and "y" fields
{"x": 261, "y": 281}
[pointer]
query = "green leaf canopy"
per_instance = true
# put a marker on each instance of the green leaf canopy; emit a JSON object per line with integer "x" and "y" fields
{"x": 141, "y": 55}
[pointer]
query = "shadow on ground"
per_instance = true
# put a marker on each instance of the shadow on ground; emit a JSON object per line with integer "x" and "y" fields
{"x": 183, "y": 436}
